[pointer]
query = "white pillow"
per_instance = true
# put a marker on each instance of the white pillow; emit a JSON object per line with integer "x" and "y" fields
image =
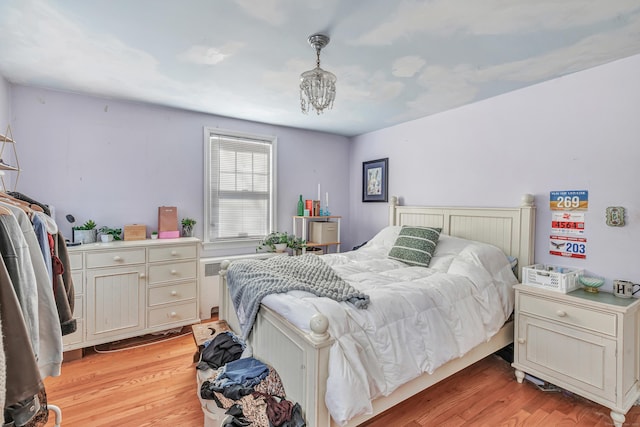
{"x": 385, "y": 237}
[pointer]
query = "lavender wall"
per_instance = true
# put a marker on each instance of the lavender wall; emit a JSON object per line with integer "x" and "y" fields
{"x": 116, "y": 162}
{"x": 5, "y": 106}
{"x": 579, "y": 132}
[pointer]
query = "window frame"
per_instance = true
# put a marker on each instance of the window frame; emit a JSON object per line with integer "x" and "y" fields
{"x": 239, "y": 243}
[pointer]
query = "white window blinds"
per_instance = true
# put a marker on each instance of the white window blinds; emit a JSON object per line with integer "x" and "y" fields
{"x": 240, "y": 187}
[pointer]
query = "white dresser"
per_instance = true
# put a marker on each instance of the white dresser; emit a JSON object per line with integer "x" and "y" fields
{"x": 130, "y": 288}
{"x": 583, "y": 342}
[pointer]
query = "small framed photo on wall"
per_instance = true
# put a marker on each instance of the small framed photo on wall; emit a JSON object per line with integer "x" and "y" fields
{"x": 375, "y": 180}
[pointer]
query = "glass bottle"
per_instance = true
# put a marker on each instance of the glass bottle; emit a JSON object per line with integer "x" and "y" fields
{"x": 300, "y": 206}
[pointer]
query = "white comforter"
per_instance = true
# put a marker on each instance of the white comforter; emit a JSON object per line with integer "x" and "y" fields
{"x": 418, "y": 319}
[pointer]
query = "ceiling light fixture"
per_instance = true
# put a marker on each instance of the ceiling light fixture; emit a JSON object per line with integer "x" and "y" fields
{"x": 317, "y": 86}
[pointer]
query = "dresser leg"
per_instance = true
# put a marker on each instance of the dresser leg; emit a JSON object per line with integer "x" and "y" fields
{"x": 519, "y": 376}
{"x": 618, "y": 418}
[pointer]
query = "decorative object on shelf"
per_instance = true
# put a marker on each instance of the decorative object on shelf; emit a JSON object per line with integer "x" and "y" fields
{"x": 375, "y": 180}
{"x": 108, "y": 234}
{"x": 154, "y": 235}
{"x": 85, "y": 233}
{"x": 300, "y": 206}
{"x": 591, "y": 284}
{"x": 317, "y": 86}
{"x": 187, "y": 227}
{"x": 615, "y": 216}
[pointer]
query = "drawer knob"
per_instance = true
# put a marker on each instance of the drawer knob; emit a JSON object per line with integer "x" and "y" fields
{"x": 521, "y": 341}
{"x": 142, "y": 275}
{"x": 117, "y": 258}
{"x": 174, "y": 253}
{"x": 172, "y": 314}
{"x": 174, "y": 293}
{"x": 561, "y": 313}
{"x": 174, "y": 272}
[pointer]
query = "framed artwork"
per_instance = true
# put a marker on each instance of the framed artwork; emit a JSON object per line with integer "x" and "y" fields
{"x": 375, "y": 180}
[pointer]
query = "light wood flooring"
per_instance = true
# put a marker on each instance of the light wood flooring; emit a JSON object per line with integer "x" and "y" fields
{"x": 155, "y": 386}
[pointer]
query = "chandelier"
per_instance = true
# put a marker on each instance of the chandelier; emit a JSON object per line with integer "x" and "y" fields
{"x": 317, "y": 86}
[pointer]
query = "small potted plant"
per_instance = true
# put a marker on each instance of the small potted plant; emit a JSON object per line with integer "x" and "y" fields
{"x": 296, "y": 244}
{"x": 154, "y": 235}
{"x": 187, "y": 227}
{"x": 276, "y": 241}
{"x": 85, "y": 233}
{"x": 107, "y": 234}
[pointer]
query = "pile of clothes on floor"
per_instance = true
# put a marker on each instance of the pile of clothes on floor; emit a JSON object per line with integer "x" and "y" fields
{"x": 250, "y": 391}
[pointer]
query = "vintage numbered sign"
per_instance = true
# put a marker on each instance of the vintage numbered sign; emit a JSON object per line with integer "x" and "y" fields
{"x": 567, "y": 246}
{"x": 576, "y": 200}
{"x": 567, "y": 223}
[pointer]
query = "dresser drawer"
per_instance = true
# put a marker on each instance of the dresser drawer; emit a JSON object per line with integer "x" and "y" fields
{"x": 116, "y": 258}
{"x": 569, "y": 314}
{"x": 172, "y": 293}
{"x": 75, "y": 260}
{"x": 172, "y": 314}
{"x": 184, "y": 270}
{"x": 172, "y": 253}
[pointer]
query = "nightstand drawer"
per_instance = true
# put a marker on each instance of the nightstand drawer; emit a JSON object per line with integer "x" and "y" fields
{"x": 569, "y": 314}
{"x": 116, "y": 258}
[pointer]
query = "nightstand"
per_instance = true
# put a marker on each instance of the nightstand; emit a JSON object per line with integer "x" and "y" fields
{"x": 583, "y": 342}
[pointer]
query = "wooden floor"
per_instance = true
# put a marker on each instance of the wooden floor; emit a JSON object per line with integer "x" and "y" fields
{"x": 155, "y": 386}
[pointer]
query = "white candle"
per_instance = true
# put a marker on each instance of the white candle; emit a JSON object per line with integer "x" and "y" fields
{"x": 327, "y": 199}
{"x": 318, "y": 192}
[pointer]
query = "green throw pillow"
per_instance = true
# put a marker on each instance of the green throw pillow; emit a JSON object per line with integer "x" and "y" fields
{"x": 415, "y": 245}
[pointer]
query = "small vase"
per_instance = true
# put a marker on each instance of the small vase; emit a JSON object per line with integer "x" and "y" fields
{"x": 106, "y": 238}
{"x": 280, "y": 247}
{"x": 187, "y": 231}
{"x": 154, "y": 236}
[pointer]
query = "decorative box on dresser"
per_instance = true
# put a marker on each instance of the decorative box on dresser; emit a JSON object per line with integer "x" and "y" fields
{"x": 129, "y": 288}
{"x": 584, "y": 342}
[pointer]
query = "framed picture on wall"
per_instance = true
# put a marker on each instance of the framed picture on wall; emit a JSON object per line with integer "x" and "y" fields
{"x": 375, "y": 180}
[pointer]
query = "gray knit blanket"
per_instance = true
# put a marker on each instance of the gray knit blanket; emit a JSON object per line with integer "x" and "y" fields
{"x": 251, "y": 280}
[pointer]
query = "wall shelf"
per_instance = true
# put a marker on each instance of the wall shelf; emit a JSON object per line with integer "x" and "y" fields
{"x": 301, "y": 229}
{"x": 9, "y": 164}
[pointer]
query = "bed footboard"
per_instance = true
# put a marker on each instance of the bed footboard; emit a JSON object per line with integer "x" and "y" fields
{"x": 300, "y": 358}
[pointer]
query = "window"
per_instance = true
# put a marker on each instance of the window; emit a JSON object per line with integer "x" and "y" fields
{"x": 239, "y": 187}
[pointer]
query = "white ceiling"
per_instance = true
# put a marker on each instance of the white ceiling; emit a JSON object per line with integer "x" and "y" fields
{"x": 395, "y": 60}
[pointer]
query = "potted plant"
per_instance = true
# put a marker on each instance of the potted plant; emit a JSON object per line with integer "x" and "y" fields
{"x": 154, "y": 235}
{"x": 108, "y": 234}
{"x": 187, "y": 227}
{"x": 296, "y": 244}
{"x": 85, "y": 233}
{"x": 278, "y": 241}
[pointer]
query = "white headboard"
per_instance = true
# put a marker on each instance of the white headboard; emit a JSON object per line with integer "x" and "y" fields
{"x": 510, "y": 229}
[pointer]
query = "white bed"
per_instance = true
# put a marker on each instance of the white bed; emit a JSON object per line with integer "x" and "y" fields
{"x": 301, "y": 354}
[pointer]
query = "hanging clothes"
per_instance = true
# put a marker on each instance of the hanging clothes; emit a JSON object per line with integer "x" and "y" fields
{"x": 23, "y": 381}
{"x": 63, "y": 289}
{"x": 49, "y": 350}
